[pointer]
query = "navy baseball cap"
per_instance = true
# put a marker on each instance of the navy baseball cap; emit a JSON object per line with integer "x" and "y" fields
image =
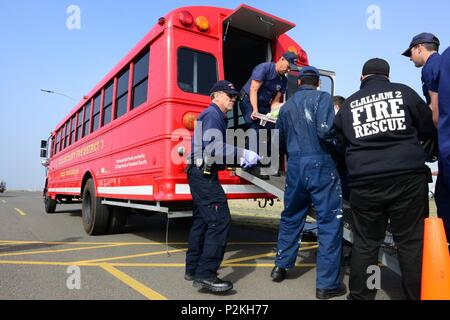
{"x": 310, "y": 72}
{"x": 224, "y": 86}
{"x": 292, "y": 57}
{"x": 421, "y": 38}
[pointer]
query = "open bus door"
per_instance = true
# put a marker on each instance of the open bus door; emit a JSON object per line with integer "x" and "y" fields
{"x": 248, "y": 37}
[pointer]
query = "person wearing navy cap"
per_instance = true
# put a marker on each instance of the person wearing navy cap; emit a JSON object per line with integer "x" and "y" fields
{"x": 306, "y": 134}
{"x": 424, "y": 52}
{"x": 265, "y": 87}
{"x": 211, "y": 215}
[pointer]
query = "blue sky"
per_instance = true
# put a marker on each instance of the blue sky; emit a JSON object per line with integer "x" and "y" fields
{"x": 38, "y": 51}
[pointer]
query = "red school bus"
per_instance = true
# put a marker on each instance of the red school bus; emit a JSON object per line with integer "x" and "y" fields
{"x": 117, "y": 149}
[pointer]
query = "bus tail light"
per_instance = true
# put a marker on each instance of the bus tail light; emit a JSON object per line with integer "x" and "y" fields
{"x": 189, "y": 120}
{"x": 186, "y": 18}
{"x": 202, "y": 23}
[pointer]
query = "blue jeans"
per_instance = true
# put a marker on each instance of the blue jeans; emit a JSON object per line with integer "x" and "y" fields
{"x": 313, "y": 179}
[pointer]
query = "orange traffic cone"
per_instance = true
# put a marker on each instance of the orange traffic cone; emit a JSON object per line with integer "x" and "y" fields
{"x": 436, "y": 262}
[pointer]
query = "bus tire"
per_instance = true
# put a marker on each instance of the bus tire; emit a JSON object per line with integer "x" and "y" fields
{"x": 118, "y": 220}
{"x": 50, "y": 204}
{"x": 95, "y": 216}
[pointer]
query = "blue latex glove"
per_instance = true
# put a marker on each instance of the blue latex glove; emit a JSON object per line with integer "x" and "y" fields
{"x": 249, "y": 159}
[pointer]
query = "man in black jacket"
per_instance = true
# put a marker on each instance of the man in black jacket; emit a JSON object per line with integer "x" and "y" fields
{"x": 380, "y": 127}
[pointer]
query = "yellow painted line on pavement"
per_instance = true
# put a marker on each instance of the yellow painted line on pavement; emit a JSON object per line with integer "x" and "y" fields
{"x": 140, "y": 255}
{"x": 133, "y": 283}
{"x": 136, "y": 243}
{"x": 57, "y": 251}
{"x": 23, "y": 214}
{"x": 95, "y": 243}
{"x": 143, "y": 265}
{"x": 265, "y": 255}
{"x": 266, "y": 265}
{"x": 9, "y": 243}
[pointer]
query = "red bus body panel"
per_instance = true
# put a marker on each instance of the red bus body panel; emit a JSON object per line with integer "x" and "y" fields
{"x": 134, "y": 157}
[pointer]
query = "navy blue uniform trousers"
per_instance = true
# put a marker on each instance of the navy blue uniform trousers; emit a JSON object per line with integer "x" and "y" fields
{"x": 313, "y": 179}
{"x": 210, "y": 226}
{"x": 442, "y": 197}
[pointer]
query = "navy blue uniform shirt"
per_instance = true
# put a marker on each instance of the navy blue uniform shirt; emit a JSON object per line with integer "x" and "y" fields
{"x": 444, "y": 114}
{"x": 272, "y": 83}
{"x": 430, "y": 75}
{"x": 306, "y": 122}
{"x": 210, "y": 134}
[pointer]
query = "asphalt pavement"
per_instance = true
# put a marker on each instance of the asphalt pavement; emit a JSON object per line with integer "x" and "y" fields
{"x": 50, "y": 257}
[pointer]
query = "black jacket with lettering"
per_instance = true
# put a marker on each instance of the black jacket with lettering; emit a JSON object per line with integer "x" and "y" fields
{"x": 380, "y": 127}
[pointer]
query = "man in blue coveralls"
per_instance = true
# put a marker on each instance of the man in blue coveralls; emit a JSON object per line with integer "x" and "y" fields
{"x": 444, "y": 140}
{"x": 266, "y": 87}
{"x": 211, "y": 215}
{"x": 424, "y": 52}
{"x": 306, "y": 135}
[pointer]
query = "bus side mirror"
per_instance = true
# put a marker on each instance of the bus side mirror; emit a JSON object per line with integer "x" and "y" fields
{"x": 43, "y": 144}
{"x": 43, "y": 153}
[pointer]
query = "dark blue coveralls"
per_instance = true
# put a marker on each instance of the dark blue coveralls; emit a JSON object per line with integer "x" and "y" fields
{"x": 443, "y": 192}
{"x": 305, "y": 129}
{"x": 211, "y": 215}
{"x": 272, "y": 83}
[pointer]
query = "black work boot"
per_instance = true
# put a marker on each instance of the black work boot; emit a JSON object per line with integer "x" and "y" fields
{"x": 325, "y": 294}
{"x": 189, "y": 276}
{"x": 213, "y": 285}
{"x": 278, "y": 274}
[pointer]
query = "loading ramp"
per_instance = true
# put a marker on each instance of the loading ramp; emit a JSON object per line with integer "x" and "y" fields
{"x": 276, "y": 186}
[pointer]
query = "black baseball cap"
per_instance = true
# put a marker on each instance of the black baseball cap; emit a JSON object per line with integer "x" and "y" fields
{"x": 424, "y": 37}
{"x": 224, "y": 86}
{"x": 376, "y": 66}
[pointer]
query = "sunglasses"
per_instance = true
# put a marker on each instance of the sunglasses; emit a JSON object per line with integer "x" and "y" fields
{"x": 231, "y": 96}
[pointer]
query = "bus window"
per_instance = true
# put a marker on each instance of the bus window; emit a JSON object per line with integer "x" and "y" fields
{"x": 66, "y": 139}
{"x": 140, "y": 81}
{"x": 96, "y": 113}
{"x": 72, "y": 132}
{"x": 87, "y": 119}
{"x": 326, "y": 84}
{"x": 57, "y": 142}
{"x": 80, "y": 122}
{"x": 107, "y": 109}
{"x": 197, "y": 71}
{"x": 122, "y": 94}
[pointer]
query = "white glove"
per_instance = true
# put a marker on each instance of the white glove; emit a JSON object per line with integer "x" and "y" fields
{"x": 249, "y": 159}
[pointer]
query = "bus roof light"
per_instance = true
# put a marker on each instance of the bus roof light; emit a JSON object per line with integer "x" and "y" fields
{"x": 202, "y": 23}
{"x": 186, "y": 18}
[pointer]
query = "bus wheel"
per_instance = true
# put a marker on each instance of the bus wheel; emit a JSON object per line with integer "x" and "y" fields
{"x": 118, "y": 220}
{"x": 50, "y": 204}
{"x": 95, "y": 216}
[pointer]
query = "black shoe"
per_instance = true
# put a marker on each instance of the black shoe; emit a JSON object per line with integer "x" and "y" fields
{"x": 189, "y": 276}
{"x": 278, "y": 274}
{"x": 213, "y": 285}
{"x": 325, "y": 294}
{"x": 256, "y": 171}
